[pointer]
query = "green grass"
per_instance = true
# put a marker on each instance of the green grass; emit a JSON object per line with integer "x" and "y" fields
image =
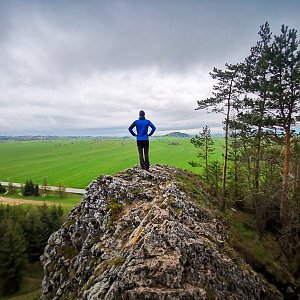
{"x": 262, "y": 254}
{"x": 75, "y": 163}
{"x": 35, "y": 295}
{"x": 67, "y": 203}
{"x": 30, "y": 288}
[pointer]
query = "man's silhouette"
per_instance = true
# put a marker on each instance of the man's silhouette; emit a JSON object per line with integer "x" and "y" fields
{"x": 142, "y": 138}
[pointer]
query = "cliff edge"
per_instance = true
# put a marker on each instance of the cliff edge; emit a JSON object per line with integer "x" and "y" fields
{"x": 142, "y": 235}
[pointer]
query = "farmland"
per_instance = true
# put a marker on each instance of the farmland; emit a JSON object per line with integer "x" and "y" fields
{"x": 66, "y": 203}
{"x": 75, "y": 163}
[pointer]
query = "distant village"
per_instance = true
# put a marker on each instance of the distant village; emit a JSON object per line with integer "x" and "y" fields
{"x": 43, "y": 137}
{"x": 59, "y": 137}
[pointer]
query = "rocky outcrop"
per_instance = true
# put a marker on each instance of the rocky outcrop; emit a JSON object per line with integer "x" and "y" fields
{"x": 141, "y": 235}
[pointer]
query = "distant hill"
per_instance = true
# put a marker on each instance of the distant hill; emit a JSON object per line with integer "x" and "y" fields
{"x": 178, "y": 134}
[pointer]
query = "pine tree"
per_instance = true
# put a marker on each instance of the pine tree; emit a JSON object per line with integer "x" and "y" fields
{"x": 2, "y": 189}
{"x": 28, "y": 188}
{"x": 12, "y": 256}
{"x": 215, "y": 175}
{"x": 56, "y": 217}
{"x": 285, "y": 96}
{"x": 36, "y": 191}
{"x": 254, "y": 109}
{"x": 205, "y": 143}
{"x": 36, "y": 234}
{"x": 297, "y": 168}
{"x": 236, "y": 179}
{"x": 226, "y": 93}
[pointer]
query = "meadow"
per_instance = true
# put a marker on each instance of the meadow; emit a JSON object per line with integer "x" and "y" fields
{"x": 67, "y": 203}
{"x": 75, "y": 163}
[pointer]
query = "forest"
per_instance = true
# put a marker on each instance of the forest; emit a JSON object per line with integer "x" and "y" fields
{"x": 260, "y": 173}
{"x": 24, "y": 232}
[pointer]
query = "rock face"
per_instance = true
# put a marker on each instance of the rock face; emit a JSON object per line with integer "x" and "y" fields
{"x": 140, "y": 235}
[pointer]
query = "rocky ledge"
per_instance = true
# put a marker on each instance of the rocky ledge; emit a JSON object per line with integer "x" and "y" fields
{"x": 141, "y": 235}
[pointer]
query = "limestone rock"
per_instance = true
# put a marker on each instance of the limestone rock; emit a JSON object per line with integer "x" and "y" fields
{"x": 139, "y": 235}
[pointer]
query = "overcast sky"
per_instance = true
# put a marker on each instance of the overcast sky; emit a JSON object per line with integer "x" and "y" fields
{"x": 87, "y": 67}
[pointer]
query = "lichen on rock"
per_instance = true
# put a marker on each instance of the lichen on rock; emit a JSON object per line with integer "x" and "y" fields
{"x": 140, "y": 235}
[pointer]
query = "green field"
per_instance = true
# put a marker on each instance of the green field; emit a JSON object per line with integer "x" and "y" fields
{"x": 75, "y": 163}
{"x": 66, "y": 203}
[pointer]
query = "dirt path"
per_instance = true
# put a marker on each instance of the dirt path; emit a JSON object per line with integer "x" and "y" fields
{"x": 24, "y": 201}
{"x": 50, "y": 188}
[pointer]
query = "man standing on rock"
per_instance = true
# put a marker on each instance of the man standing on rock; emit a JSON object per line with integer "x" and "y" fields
{"x": 142, "y": 138}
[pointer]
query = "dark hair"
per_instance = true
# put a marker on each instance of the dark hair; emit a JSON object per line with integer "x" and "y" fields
{"x": 142, "y": 113}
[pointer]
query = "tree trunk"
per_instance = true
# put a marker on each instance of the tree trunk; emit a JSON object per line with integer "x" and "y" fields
{"x": 286, "y": 170}
{"x": 223, "y": 197}
{"x": 206, "y": 158}
{"x": 222, "y": 203}
{"x": 259, "y": 136}
{"x": 257, "y": 164}
{"x": 298, "y": 175}
{"x": 235, "y": 175}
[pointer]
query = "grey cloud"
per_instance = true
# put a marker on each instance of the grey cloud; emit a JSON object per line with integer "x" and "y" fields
{"x": 90, "y": 66}
{"x": 60, "y": 38}
{"x": 81, "y": 36}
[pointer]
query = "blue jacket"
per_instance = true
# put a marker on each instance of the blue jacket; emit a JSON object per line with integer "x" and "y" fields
{"x": 142, "y": 126}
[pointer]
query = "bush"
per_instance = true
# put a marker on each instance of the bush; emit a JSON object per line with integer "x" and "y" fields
{"x": 28, "y": 188}
{"x": 11, "y": 189}
{"x": 36, "y": 191}
{"x": 61, "y": 191}
{"x": 45, "y": 187}
{"x": 2, "y": 189}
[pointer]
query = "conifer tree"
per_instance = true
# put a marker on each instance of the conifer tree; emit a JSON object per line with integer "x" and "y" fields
{"x": 28, "y": 188}
{"x": 297, "y": 168}
{"x": 236, "y": 174}
{"x": 36, "y": 191}
{"x": 36, "y": 233}
{"x": 285, "y": 95}
{"x": 45, "y": 215}
{"x": 226, "y": 93}
{"x": 215, "y": 174}
{"x": 56, "y": 217}
{"x": 254, "y": 110}
{"x": 2, "y": 189}
{"x": 205, "y": 143}
{"x": 12, "y": 256}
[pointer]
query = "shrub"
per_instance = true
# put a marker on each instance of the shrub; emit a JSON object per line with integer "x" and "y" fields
{"x": 61, "y": 191}
{"x": 2, "y": 189}
{"x": 45, "y": 187}
{"x": 36, "y": 191}
{"x": 28, "y": 188}
{"x": 11, "y": 189}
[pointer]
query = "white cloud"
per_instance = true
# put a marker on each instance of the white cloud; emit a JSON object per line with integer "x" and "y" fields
{"x": 108, "y": 100}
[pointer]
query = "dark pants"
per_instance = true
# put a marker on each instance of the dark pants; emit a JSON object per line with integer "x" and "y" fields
{"x": 143, "y": 147}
